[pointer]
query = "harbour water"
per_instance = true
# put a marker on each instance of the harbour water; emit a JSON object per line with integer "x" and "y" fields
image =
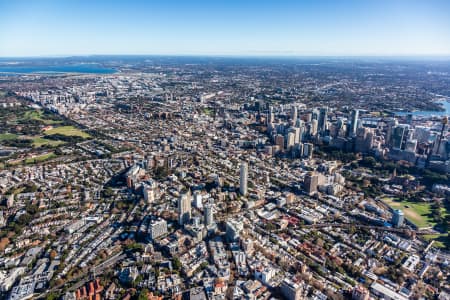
{"x": 78, "y": 68}
{"x": 426, "y": 113}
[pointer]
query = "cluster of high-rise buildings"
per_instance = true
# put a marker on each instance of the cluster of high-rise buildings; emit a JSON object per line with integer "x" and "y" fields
{"x": 420, "y": 141}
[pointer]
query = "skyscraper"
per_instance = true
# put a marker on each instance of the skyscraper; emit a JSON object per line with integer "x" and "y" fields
{"x": 353, "y": 122}
{"x": 399, "y": 136}
{"x": 198, "y": 199}
{"x": 397, "y": 218}
{"x": 270, "y": 116}
{"x": 208, "y": 214}
{"x": 294, "y": 114}
{"x": 243, "y": 178}
{"x": 323, "y": 118}
{"x": 279, "y": 140}
{"x": 308, "y": 149}
{"x": 184, "y": 208}
{"x": 290, "y": 141}
{"x": 364, "y": 139}
{"x": 311, "y": 183}
{"x": 313, "y": 127}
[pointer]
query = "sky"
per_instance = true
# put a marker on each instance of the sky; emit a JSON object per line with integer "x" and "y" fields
{"x": 225, "y": 27}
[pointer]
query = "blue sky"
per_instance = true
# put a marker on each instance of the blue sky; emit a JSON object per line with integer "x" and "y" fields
{"x": 225, "y": 27}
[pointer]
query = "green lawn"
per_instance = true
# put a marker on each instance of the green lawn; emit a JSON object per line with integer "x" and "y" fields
{"x": 67, "y": 131}
{"x": 439, "y": 239}
{"x": 7, "y": 136}
{"x": 39, "y": 116}
{"x": 39, "y": 141}
{"x": 208, "y": 111}
{"x": 40, "y": 158}
{"x": 416, "y": 212}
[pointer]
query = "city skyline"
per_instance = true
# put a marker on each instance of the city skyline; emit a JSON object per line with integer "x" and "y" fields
{"x": 232, "y": 28}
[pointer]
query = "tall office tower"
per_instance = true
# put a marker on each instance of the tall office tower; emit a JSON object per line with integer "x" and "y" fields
{"x": 444, "y": 123}
{"x": 397, "y": 218}
{"x": 313, "y": 128}
{"x": 296, "y": 131}
{"x": 298, "y": 150}
{"x": 290, "y": 141}
{"x": 411, "y": 146}
{"x": 353, "y": 122}
{"x": 323, "y": 119}
{"x": 299, "y": 123}
{"x": 208, "y": 214}
{"x": 422, "y": 134}
{"x": 294, "y": 114}
{"x": 339, "y": 128}
{"x": 184, "y": 208}
{"x": 311, "y": 183}
{"x": 279, "y": 141}
{"x": 399, "y": 136}
{"x": 364, "y": 139}
{"x": 198, "y": 199}
{"x": 308, "y": 149}
{"x": 302, "y": 133}
{"x": 243, "y": 179}
{"x": 271, "y": 116}
{"x": 307, "y": 117}
{"x": 315, "y": 114}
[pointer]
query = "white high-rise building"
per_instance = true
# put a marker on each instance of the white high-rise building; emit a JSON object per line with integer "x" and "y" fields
{"x": 354, "y": 122}
{"x": 290, "y": 141}
{"x": 184, "y": 208}
{"x": 208, "y": 212}
{"x": 157, "y": 228}
{"x": 198, "y": 199}
{"x": 243, "y": 179}
{"x": 294, "y": 114}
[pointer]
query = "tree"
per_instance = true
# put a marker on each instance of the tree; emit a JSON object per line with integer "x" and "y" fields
{"x": 369, "y": 161}
{"x": 143, "y": 295}
{"x": 52, "y": 296}
{"x": 176, "y": 263}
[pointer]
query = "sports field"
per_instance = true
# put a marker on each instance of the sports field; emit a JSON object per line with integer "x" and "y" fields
{"x": 67, "y": 131}
{"x": 39, "y": 141}
{"x": 40, "y": 158}
{"x": 418, "y": 213}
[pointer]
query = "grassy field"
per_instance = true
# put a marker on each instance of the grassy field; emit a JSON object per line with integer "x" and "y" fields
{"x": 40, "y": 158}
{"x": 7, "y": 136}
{"x": 417, "y": 213}
{"x": 208, "y": 111}
{"x": 438, "y": 239}
{"x": 39, "y": 141}
{"x": 67, "y": 131}
{"x": 38, "y": 115}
